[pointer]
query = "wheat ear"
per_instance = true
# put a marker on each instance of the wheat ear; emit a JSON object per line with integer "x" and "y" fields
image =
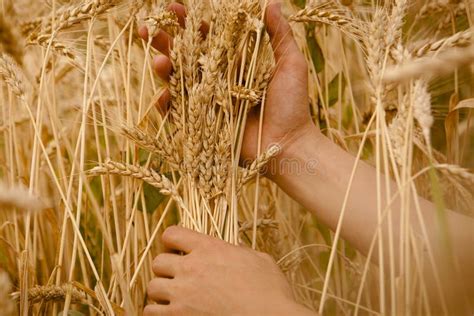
{"x": 459, "y": 39}
{"x": 258, "y": 164}
{"x": 12, "y": 75}
{"x": 150, "y": 176}
{"x": 330, "y": 15}
{"x": 52, "y": 293}
{"x": 456, "y": 171}
{"x": 152, "y": 145}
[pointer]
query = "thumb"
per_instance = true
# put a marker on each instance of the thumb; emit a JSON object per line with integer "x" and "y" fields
{"x": 281, "y": 36}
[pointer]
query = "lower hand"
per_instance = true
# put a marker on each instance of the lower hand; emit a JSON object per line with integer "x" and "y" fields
{"x": 216, "y": 278}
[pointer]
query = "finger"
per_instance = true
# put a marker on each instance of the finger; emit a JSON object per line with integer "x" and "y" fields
{"x": 156, "y": 310}
{"x": 159, "y": 289}
{"x": 162, "y": 66}
{"x": 204, "y": 29}
{"x": 163, "y": 102}
{"x": 183, "y": 239}
{"x": 283, "y": 42}
{"x": 164, "y": 265}
{"x": 162, "y": 41}
{"x": 180, "y": 11}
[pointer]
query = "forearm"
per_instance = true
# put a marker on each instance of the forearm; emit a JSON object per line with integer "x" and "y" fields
{"x": 321, "y": 182}
{"x": 320, "y": 185}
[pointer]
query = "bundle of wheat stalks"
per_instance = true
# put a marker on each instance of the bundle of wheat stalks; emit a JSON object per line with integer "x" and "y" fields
{"x": 92, "y": 172}
{"x": 217, "y": 81}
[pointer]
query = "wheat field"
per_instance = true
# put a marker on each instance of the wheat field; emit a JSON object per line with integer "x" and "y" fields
{"x": 92, "y": 171}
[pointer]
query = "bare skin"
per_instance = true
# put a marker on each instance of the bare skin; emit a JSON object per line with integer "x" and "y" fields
{"x": 245, "y": 282}
{"x": 198, "y": 282}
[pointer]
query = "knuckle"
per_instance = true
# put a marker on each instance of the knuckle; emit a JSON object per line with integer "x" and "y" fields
{"x": 157, "y": 266}
{"x": 188, "y": 267}
{"x": 206, "y": 245}
{"x": 157, "y": 261}
{"x": 170, "y": 232}
{"x": 150, "y": 288}
{"x": 178, "y": 309}
{"x": 148, "y": 311}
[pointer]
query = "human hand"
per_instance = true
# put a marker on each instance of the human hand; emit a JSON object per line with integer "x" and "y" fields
{"x": 286, "y": 116}
{"x": 217, "y": 278}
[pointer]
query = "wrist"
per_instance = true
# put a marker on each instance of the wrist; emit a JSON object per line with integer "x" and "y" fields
{"x": 295, "y": 143}
{"x": 297, "y": 153}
